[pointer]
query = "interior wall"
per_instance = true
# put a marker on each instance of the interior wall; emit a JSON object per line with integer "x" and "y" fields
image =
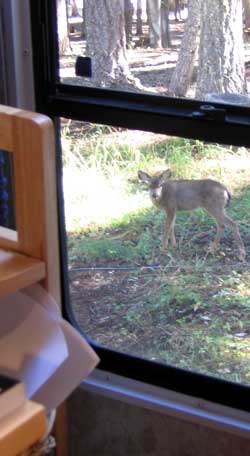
{"x": 16, "y": 72}
{"x": 99, "y": 426}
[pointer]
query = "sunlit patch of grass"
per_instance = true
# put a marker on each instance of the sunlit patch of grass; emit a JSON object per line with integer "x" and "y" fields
{"x": 228, "y": 167}
{"x": 93, "y": 200}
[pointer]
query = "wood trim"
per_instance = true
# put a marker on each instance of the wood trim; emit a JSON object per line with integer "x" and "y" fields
{"x": 60, "y": 430}
{"x": 6, "y": 138}
{"x": 18, "y": 271}
{"x": 22, "y": 428}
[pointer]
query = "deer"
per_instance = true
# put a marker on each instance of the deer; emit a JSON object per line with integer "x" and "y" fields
{"x": 186, "y": 195}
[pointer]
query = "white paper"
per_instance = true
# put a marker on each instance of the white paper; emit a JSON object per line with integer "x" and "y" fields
{"x": 40, "y": 348}
{"x": 32, "y": 344}
{"x": 80, "y": 362}
{"x": 38, "y": 294}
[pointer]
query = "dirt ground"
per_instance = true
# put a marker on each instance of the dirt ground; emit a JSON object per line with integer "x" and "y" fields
{"x": 153, "y": 67}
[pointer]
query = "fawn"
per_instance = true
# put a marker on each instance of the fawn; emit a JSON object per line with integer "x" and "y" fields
{"x": 187, "y": 195}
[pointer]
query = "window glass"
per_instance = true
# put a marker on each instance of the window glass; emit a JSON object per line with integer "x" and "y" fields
{"x": 188, "y": 306}
{"x": 174, "y": 48}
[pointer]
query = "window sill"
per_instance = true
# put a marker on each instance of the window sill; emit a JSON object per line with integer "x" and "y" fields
{"x": 177, "y": 405}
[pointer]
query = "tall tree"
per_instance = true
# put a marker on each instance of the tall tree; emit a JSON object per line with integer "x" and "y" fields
{"x": 246, "y": 11}
{"x": 221, "y": 52}
{"x": 74, "y": 11}
{"x": 128, "y": 13}
{"x": 106, "y": 43}
{"x": 158, "y": 21}
{"x": 154, "y": 22}
{"x": 165, "y": 28}
{"x": 182, "y": 74}
{"x": 62, "y": 27}
{"x": 139, "y": 17}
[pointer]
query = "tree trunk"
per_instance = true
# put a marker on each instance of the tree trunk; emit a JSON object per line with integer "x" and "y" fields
{"x": 139, "y": 18}
{"x": 106, "y": 42}
{"x": 154, "y": 22}
{"x": 62, "y": 27}
{"x": 221, "y": 53}
{"x": 75, "y": 11}
{"x": 182, "y": 75}
{"x": 246, "y": 8}
{"x": 128, "y": 14}
{"x": 165, "y": 30}
{"x": 83, "y": 19}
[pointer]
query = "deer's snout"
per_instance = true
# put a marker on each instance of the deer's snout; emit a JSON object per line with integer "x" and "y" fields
{"x": 155, "y": 193}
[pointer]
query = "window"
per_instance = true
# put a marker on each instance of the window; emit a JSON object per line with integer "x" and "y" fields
{"x": 178, "y": 319}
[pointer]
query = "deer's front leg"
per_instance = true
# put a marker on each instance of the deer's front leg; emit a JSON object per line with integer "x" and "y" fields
{"x": 169, "y": 228}
{"x": 172, "y": 237}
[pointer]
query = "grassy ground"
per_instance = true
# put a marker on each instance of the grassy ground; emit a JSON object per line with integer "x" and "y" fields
{"x": 187, "y": 308}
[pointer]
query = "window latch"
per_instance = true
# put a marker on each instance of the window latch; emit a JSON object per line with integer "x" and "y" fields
{"x": 210, "y": 112}
{"x": 83, "y": 67}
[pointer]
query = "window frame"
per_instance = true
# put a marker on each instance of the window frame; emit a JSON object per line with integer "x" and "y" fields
{"x": 226, "y": 124}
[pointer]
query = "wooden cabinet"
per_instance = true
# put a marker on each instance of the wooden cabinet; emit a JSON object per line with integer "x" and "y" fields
{"x": 29, "y": 254}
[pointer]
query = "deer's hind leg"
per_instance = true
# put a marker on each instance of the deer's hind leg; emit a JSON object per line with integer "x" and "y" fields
{"x": 222, "y": 220}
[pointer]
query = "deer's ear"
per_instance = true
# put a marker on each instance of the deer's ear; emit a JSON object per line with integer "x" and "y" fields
{"x": 166, "y": 174}
{"x": 144, "y": 177}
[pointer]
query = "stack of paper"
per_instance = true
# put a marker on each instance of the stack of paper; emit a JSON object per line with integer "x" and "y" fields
{"x": 40, "y": 348}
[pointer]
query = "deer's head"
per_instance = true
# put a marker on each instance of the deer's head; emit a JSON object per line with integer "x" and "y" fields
{"x": 155, "y": 183}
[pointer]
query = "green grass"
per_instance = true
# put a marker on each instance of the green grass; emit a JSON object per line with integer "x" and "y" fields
{"x": 192, "y": 312}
